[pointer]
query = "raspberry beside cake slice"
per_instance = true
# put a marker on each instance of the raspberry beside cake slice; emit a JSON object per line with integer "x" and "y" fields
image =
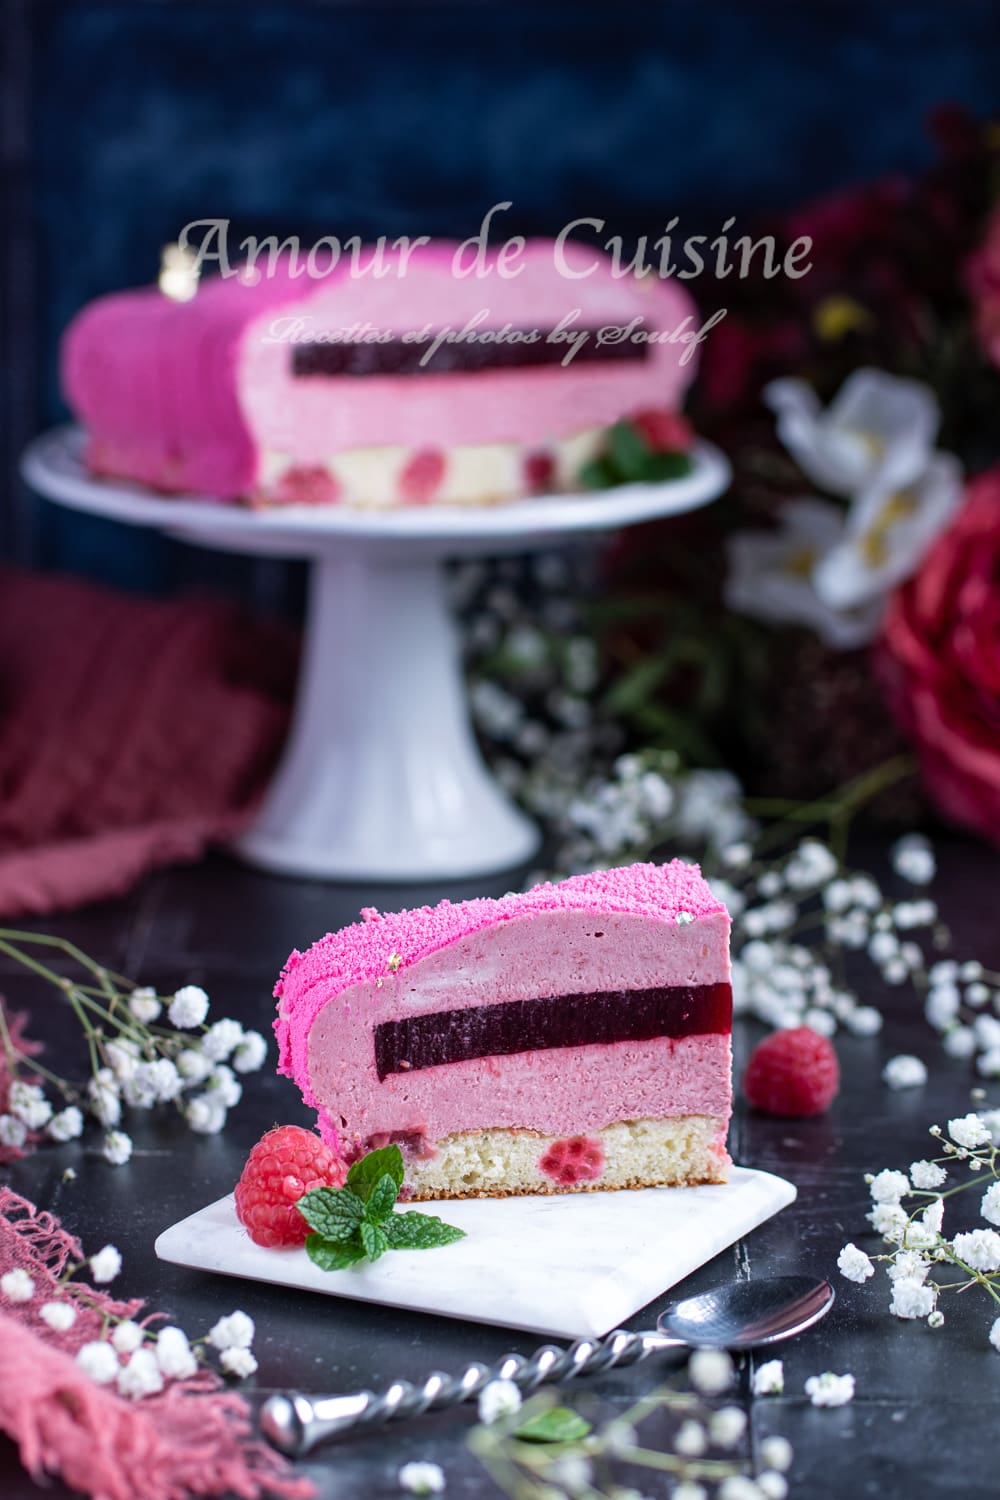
{"x": 574, "y": 1037}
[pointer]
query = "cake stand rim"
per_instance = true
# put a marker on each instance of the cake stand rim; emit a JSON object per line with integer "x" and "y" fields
{"x": 52, "y": 465}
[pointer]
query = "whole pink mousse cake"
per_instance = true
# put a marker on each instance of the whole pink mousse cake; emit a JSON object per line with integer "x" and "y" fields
{"x": 573, "y": 1037}
{"x": 413, "y": 387}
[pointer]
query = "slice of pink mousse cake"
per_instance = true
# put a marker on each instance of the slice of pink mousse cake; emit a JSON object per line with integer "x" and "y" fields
{"x": 574, "y": 1037}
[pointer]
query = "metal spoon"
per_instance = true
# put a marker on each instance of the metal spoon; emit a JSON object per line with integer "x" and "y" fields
{"x": 740, "y": 1315}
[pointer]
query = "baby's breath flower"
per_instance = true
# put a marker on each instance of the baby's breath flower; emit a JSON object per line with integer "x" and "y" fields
{"x": 141, "y": 1376}
{"x": 690, "y": 1440}
{"x": 908, "y": 1265}
{"x": 904, "y": 1072}
{"x": 105, "y": 1101}
{"x": 889, "y": 1186}
{"x": 889, "y": 1220}
{"x": 221, "y": 1038}
{"x": 144, "y": 1005}
{"x": 912, "y": 1299}
{"x": 500, "y": 1398}
{"x": 738, "y": 1487}
{"x": 174, "y": 1354}
{"x": 189, "y": 1007}
{"x": 235, "y": 1331}
{"x": 772, "y": 1486}
{"x": 238, "y": 1362}
{"x": 769, "y": 1380}
{"x": 29, "y": 1105}
{"x": 193, "y": 1065}
{"x": 711, "y": 1371}
{"x": 854, "y": 1264}
{"x": 829, "y": 1389}
{"x": 864, "y": 1021}
{"x": 935, "y": 1319}
{"x": 13, "y": 1132}
{"x": 995, "y": 1334}
{"x": 979, "y": 1249}
{"x": 421, "y": 1479}
{"x": 127, "y": 1337}
{"x": 60, "y": 1316}
{"x": 117, "y": 1148}
{"x": 989, "y": 1206}
{"x": 689, "y": 1489}
{"x": 98, "y": 1361}
{"x": 225, "y": 1086}
{"x": 913, "y": 859}
{"x": 968, "y": 1131}
{"x": 205, "y": 1115}
{"x": 727, "y": 1426}
{"x": 67, "y": 1125}
{"x": 249, "y": 1056}
{"x": 927, "y": 1174}
{"x": 105, "y": 1265}
{"x": 17, "y": 1285}
{"x": 776, "y": 1453}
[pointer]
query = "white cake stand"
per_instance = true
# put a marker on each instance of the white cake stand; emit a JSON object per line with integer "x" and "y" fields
{"x": 381, "y": 777}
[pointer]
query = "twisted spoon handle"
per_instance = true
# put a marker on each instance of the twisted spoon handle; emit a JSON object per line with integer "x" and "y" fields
{"x": 296, "y": 1423}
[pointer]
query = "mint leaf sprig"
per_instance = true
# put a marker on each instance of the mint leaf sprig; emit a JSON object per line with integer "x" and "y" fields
{"x": 359, "y": 1222}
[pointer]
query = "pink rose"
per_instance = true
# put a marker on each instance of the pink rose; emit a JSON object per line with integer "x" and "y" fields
{"x": 982, "y": 278}
{"x": 939, "y": 658}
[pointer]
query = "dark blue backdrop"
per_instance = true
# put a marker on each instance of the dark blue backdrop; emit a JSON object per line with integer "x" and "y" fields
{"x": 125, "y": 120}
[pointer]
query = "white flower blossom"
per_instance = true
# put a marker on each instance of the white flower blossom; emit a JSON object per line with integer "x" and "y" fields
{"x": 60, "y": 1316}
{"x": 234, "y": 1331}
{"x": 904, "y": 1072}
{"x": 251, "y": 1053}
{"x": 889, "y": 1220}
{"x": 854, "y": 1264}
{"x": 990, "y": 1205}
{"x": 122, "y": 1056}
{"x": 960, "y": 1042}
{"x": 769, "y": 1378}
{"x": 942, "y": 1005}
{"x": 205, "y": 1115}
{"x": 117, "y": 1148}
{"x": 105, "y": 1265}
{"x": 28, "y": 1103}
{"x": 421, "y": 1479}
{"x": 141, "y": 1376}
{"x": 128, "y": 1337}
{"x": 968, "y": 1131}
{"x": 878, "y": 429}
{"x": 738, "y": 1487}
{"x": 98, "y": 1361}
{"x": 189, "y": 1007}
{"x": 912, "y": 1299}
{"x": 829, "y": 1389}
{"x": 776, "y": 1453}
{"x": 690, "y": 1439}
{"x": 160, "y": 1078}
{"x": 979, "y": 1249}
{"x": 727, "y": 1426}
{"x": 772, "y": 1485}
{"x": 102, "y": 1090}
{"x": 144, "y": 1005}
{"x": 995, "y": 1334}
{"x": 927, "y": 1175}
{"x": 864, "y": 1021}
{"x": 17, "y": 1285}
{"x": 710, "y": 1371}
{"x": 913, "y": 858}
{"x": 13, "y": 1132}
{"x": 500, "y": 1398}
{"x": 174, "y": 1354}
{"x": 225, "y": 1086}
{"x": 889, "y": 1186}
{"x": 193, "y": 1065}
{"x": 221, "y": 1038}
{"x": 910, "y": 1266}
{"x": 67, "y": 1125}
{"x": 238, "y": 1362}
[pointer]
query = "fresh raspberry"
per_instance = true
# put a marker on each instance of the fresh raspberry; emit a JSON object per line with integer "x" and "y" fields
{"x": 422, "y": 476}
{"x": 539, "y": 471}
{"x": 306, "y": 486}
{"x": 792, "y": 1073}
{"x": 283, "y": 1165}
{"x": 578, "y": 1159}
{"x": 664, "y": 431}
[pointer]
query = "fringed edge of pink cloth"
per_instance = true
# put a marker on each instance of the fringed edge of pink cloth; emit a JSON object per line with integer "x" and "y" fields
{"x": 192, "y": 1439}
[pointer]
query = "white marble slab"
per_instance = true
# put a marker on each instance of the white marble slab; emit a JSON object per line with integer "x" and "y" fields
{"x": 571, "y": 1265}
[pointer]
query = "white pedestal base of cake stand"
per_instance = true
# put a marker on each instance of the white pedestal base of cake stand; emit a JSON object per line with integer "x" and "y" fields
{"x": 381, "y": 778}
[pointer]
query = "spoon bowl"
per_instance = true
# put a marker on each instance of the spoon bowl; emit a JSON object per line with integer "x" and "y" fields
{"x": 747, "y": 1314}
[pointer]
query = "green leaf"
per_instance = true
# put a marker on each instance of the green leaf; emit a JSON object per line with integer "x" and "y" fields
{"x": 414, "y": 1231}
{"x": 629, "y": 451}
{"x": 381, "y": 1199}
{"x": 557, "y": 1425}
{"x": 374, "y": 1239}
{"x": 363, "y": 1176}
{"x": 668, "y": 465}
{"x": 334, "y": 1213}
{"x": 598, "y": 474}
{"x": 635, "y": 686}
{"x": 333, "y": 1257}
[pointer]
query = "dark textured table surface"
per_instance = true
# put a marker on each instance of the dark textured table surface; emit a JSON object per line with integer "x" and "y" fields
{"x": 923, "y": 1422}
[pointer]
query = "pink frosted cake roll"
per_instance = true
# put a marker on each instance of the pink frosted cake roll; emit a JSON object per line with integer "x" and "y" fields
{"x": 349, "y": 390}
{"x": 574, "y": 1037}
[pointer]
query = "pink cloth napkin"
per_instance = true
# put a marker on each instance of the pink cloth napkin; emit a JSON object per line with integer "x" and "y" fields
{"x": 192, "y": 1439}
{"x": 133, "y": 733}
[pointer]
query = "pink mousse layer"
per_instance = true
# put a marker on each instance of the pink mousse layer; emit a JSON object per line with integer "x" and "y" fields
{"x": 189, "y": 396}
{"x": 614, "y": 929}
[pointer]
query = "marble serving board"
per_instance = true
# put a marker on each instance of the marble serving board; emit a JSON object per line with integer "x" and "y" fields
{"x": 572, "y": 1265}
